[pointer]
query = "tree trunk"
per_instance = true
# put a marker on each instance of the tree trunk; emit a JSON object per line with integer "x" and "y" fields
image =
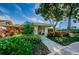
{"x": 69, "y": 24}
{"x": 54, "y": 27}
{"x": 53, "y": 30}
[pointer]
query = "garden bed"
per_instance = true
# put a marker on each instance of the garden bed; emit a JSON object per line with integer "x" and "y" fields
{"x": 41, "y": 50}
{"x": 23, "y": 45}
{"x": 65, "y": 40}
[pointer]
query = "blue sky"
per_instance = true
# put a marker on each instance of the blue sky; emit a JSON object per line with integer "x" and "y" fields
{"x": 19, "y": 13}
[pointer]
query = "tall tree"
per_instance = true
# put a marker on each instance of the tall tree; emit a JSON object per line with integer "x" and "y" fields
{"x": 51, "y": 12}
{"x": 27, "y": 28}
{"x": 70, "y": 11}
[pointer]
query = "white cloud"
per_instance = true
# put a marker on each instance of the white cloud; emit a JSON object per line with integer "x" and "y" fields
{"x": 37, "y": 6}
{"x": 4, "y": 10}
{"x": 6, "y": 17}
{"x": 35, "y": 20}
{"x": 31, "y": 19}
{"x": 20, "y": 11}
{"x": 25, "y": 16}
{"x": 18, "y": 7}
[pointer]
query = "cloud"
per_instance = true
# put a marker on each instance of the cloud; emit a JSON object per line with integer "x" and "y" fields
{"x": 20, "y": 11}
{"x": 35, "y": 20}
{"x": 18, "y": 7}
{"x": 32, "y": 19}
{"x": 4, "y": 11}
{"x": 6, "y": 17}
{"x": 25, "y": 16}
{"x": 37, "y": 6}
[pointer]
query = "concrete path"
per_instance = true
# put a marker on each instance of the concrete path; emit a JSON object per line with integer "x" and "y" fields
{"x": 50, "y": 44}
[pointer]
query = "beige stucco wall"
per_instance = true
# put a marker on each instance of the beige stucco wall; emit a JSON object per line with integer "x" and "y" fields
{"x": 42, "y": 29}
{"x": 35, "y": 29}
{"x": 46, "y": 31}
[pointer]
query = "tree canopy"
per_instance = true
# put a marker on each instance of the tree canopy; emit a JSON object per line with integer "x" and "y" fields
{"x": 51, "y": 11}
{"x": 71, "y": 10}
{"x": 58, "y": 11}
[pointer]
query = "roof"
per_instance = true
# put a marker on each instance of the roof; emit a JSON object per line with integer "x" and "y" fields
{"x": 6, "y": 21}
{"x": 41, "y": 24}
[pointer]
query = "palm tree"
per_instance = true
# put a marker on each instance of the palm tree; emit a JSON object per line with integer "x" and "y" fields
{"x": 51, "y": 12}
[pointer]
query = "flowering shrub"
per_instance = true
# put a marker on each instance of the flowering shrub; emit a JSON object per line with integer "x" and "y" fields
{"x": 57, "y": 34}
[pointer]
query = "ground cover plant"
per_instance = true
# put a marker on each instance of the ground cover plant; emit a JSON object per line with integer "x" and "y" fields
{"x": 65, "y": 40}
{"x": 22, "y": 45}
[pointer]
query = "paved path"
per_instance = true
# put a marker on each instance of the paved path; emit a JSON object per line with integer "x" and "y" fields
{"x": 50, "y": 44}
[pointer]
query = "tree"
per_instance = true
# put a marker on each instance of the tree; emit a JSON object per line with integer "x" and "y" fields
{"x": 51, "y": 12}
{"x": 27, "y": 28}
{"x": 74, "y": 27}
{"x": 70, "y": 11}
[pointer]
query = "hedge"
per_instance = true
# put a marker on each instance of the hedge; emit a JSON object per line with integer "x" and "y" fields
{"x": 63, "y": 40}
{"x": 18, "y": 45}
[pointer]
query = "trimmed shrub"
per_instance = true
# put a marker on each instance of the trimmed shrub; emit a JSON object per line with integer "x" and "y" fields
{"x": 64, "y": 40}
{"x": 19, "y": 45}
{"x": 27, "y": 28}
{"x": 57, "y": 34}
{"x": 34, "y": 39}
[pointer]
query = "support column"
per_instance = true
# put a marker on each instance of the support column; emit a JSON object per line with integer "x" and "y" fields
{"x": 42, "y": 30}
{"x": 35, "y": 29}
{"x": 46, "y": 31}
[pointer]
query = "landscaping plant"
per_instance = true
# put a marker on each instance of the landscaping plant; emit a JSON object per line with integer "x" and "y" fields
{"x": 27, "y": 28}
{"x": 19, "y": 45}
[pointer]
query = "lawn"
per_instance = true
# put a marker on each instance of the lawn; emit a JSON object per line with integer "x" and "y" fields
{"x": 22, "y": 45}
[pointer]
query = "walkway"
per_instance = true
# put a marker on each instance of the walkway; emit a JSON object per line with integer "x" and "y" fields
{"x": 50, "y": 44}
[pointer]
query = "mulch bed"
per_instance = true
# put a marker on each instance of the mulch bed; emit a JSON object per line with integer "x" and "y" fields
{"x": 41, "y": 50}
{"x": 65, "y": 44}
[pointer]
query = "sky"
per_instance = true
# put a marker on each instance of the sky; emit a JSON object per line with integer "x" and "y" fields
{"x": 19, "y": 13}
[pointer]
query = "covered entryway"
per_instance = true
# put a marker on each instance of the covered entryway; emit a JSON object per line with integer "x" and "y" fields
{"x": 41, "y": 29}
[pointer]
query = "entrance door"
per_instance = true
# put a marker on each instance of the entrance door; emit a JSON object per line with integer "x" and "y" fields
{"x": 41, "y": 30}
